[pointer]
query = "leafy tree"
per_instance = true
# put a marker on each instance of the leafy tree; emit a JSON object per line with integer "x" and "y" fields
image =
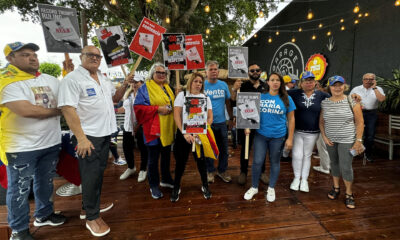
{"x": 228, "y": 20}
{"x": 50, "y": 68}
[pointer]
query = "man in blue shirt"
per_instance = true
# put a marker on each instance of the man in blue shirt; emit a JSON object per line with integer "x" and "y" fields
{"x": 219, "y": 94}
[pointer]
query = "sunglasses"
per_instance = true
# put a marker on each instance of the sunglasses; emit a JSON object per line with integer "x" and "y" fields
{"x": 161, "y": 73}
{"x": 92, "y": 55}
{"x": 255, "y": 70}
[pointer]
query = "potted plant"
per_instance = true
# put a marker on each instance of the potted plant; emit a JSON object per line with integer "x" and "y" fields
{"x": 392, "y": 90}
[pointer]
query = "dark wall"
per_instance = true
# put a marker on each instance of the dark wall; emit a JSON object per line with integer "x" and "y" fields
{"x": 371, "y": 46}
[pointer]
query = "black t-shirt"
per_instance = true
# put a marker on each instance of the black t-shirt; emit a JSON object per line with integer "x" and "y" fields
{"x": 307, "y": 109}
{"x": 247, "y": 86}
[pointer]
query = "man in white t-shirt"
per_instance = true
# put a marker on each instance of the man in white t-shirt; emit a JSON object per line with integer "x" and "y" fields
{"x": 370, "y": 95}
{"x": 30, "y": 138}
{"x": 86, "y": 100}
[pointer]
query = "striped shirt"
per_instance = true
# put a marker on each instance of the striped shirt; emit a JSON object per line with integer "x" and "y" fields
{"x": 339, "y": 120}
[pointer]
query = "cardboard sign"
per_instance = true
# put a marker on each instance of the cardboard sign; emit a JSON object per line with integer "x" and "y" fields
{"x": 114, "y": 46}
{"x": 248, "y": 110}
{"x": 237, "y": 62}
{"x": 60, "y": 28}
{"x": 317, "y": 65}
{"x": 174, "y": 51}
{"x": 194, "y": 115}
{"x": 147, "y": 38}
{"x": 194, "y": 52}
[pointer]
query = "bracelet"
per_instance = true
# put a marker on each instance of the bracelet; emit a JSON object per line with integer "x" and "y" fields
{"x": 359, "y": 140}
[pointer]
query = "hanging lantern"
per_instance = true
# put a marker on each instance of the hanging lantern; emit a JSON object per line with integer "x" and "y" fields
{"x": 367, "y": 14}
{"x": 243, "y": 38}
{"x": 230, "y": 36}
{"x": 356, "y": 8}
{"x": 310, "y": 14}
{"x": 277, "y": 33}
{"x": 207, "y": 9}
{"x": 293, "y": 39}
{"x": 320, "y": 25}
{"x": 341, "y": 20}
{"x": 360, "y": 15}
{"x": 328, "y": 33}
{"x": 148, "y": 1}
{"x": 260, "y": 14}
{"x": 255, "y": 35}
{"x": 113, "y": 2}
{"x": 207, "y": 31}
{"x": 356, "y": 21}
{"x": 397, "y": 3}
{"x": 125, "y": 30}
{"x": 300, "y": 29}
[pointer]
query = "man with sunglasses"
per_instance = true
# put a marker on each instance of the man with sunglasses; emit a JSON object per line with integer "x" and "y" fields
{"x": 86, "y": 100}
{"x": 253, "y": 85}
{"x": 370, "y": 95}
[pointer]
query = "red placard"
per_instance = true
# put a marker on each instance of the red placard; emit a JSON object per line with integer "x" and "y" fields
{"x": 147, "y": 38}
{"x": 194, "y": 52}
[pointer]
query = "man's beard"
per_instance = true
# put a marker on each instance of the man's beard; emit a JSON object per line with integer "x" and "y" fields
{"x": 255, "y": 78}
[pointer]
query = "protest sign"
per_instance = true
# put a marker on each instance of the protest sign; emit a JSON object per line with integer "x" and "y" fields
{"x": 147, "y": 38}
{"x": 60, "y": 28}
{"x": 194, "y": 115}
{"x": 114, "y": 46}
{"x": 194, "y": 52}
{"x": 174, "y": 51}
{"x": 248, "y": 110}
{"x": 237, "y": 62}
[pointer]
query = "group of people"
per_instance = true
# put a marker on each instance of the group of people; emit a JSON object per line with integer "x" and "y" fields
{"x": 289, "y": 120}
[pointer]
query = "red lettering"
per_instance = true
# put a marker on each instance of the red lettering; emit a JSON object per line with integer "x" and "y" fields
{"x": 195, "y": 110}
{"x": 173, "y": 47}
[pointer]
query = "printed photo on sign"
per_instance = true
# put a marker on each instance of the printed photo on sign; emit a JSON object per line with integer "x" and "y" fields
{"x": 114, "y": 46}
{"x": 174, "y": 51}
{"x": 147, "y": 39}
{"x": 194, "y": 115}
{"x": 60, "y": 28}
{"x": 44, "y": 97}
{"x": 248, "y": 114}
{"x": 194, "y": 52}
{"x": 237, "y": 62}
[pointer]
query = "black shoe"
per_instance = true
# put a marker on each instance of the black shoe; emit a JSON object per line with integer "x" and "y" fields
{"x": 206, "y": 192}
{"x": 23, "y": 235}
{"x": 175, "y": 194}
{"x": 52, "y": 220}
{"x": 369, "y": 158}
{"x": 286, "y": 159}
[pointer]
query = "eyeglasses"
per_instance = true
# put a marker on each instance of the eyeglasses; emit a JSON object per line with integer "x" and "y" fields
{"x": 255, "y": 70}
{"x": 161, "y": 73}
{"x": 92, "y": 55}
{"x": 368, "y": 79}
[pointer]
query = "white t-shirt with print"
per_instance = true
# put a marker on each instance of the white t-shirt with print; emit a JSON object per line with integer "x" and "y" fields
{"x": 93, "y": 101}
{"x": 130, "y": 116}
{"x": 23, "y": 134}
{"x": 180, "y": 99}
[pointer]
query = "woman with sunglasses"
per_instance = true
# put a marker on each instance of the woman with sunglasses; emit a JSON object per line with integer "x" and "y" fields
{"x": 342, "y": 125}
{"x": 154, "y": 111}
{"x": 276, "y": 110}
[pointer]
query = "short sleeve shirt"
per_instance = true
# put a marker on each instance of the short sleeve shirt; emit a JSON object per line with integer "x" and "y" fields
{"x": 93, "y": 101}
{"x": 217, "y": 92}
{"x": 180, "y": 99}
{"x": 29, "y": 134}
{"x": 368, "y": 97}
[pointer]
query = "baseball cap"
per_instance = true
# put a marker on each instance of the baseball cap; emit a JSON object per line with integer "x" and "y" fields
{"x": 15, "y": 46}
{"x": 335, "y": 79}
{"x": 287, "y": 79}
{"x": 307, "y": 74}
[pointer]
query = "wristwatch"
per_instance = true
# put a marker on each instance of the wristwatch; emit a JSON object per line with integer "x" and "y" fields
{"x": 374, "y": 88}
{"x": 359, "y": 140}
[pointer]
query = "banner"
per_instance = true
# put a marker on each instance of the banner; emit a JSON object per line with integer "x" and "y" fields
{"x": 60, "y": 28}
{"x": 147, "y": 38}
{"x": 248, "y": 110}
{"x": 194, "y": 115}
{"x": 237, "y": 62}
{"x": 174, "y": 51}
{"x": 114, "y": 46}
{"x": 194, "y": 52}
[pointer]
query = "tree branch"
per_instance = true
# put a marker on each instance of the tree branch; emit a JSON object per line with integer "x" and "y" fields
{"x": 190, "y": 11}
{"x": 120, "y": 13}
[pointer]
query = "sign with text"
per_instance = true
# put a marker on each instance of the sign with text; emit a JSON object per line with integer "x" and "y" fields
{"x": 237, "y": 62}
{"x": 248, "y": 110}
{"x": 317, "y": 65}
{"x": 174, "y": 51}
{"x": 147, "y": 38}
{"x": 194, "y": 115}
{"x": 194, "y": 52}
{"x": 60, "y": 28}
{"x": 114, "y": 46}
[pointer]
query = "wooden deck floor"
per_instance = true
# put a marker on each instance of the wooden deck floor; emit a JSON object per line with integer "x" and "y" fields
{"x": 294, "y": 215}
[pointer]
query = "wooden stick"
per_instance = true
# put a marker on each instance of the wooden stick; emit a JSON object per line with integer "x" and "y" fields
{"x": 194, "y": 147}
{"x": 123, "y": 70}
{"x": 177, "y": 79}
{"x": 133, "y": 69}
{"x": 246, "y": 149}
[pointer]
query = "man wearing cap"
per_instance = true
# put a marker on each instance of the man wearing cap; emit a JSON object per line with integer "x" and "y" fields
{"x": 289, "y": 82}
{"x": 370, "y": 95}
{"x": 86, "y": 101}
{"x": 30, "y": 138}
{"x": 253, "y": 85}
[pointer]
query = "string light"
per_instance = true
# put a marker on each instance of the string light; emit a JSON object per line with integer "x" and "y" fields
{"x": 342, "y": 28}
{"x": 270, "y": 39}
{"x": 320, "y": 25}
{"x": 397, "y": 3}
{"x": 356, "y": 21}
{"x": 255, "y": 35}
{"x": 113, "y": 2}
{"x": 367, "y": 14}
{"x": 230, "y": 36}
{"x": 356, "y": 8}
{"x": 206, "y": 36}
{"x": 360, "y": 15}
{"x": 313, "y": 37}
{"x": 277, "y": 33}
{"x": 242, "y": 38}
{"x": 328, "y": 33}
{"x": 341, "y": 20}
{"x": 167, "y": 20}
{"x": 148, "y": 1}
{"x": 300, "y": 29}
{"x": 260, "y": 14}
{"x": 293, "y": 39}
{"x": 310, "y": 14}
{"x": 207, "y": 31}
{"x": 125, "y": 30}
{"x": 207, "y": 9}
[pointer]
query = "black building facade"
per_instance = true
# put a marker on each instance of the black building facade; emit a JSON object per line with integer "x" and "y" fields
{"x": 372, "y": 45}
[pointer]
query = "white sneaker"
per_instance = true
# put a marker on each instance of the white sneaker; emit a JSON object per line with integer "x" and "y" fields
{"x": 304, "y": 186}
{"x": 120, "y": 161}
{"x": 295, "y": 184}
{"x": 142, "y": 176}
{"x": 250, "y": 193}
{"x": 127, "y": 173}
{"x": 271, "y": 194}
{"x": 320, "y": 169}
{"x": 69, "y": 189}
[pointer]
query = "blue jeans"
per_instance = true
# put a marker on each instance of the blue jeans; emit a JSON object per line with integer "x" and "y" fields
{"x": 263, "y": 144}
{"x": 221, "y": 137}
{"x": 23, "y": 167}
{"x": 370, "y": 118}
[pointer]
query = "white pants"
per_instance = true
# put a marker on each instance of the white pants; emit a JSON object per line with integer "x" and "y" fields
{"x": 324, "y": 160}
{"x": 303, "y": 145}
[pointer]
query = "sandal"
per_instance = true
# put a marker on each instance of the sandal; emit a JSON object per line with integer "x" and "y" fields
{"x": 350, "y": 203}
{"x": 334, "y": 193}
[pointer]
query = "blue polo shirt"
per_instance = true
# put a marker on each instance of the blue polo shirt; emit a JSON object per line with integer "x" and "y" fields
{"x": 217, "y": 92}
